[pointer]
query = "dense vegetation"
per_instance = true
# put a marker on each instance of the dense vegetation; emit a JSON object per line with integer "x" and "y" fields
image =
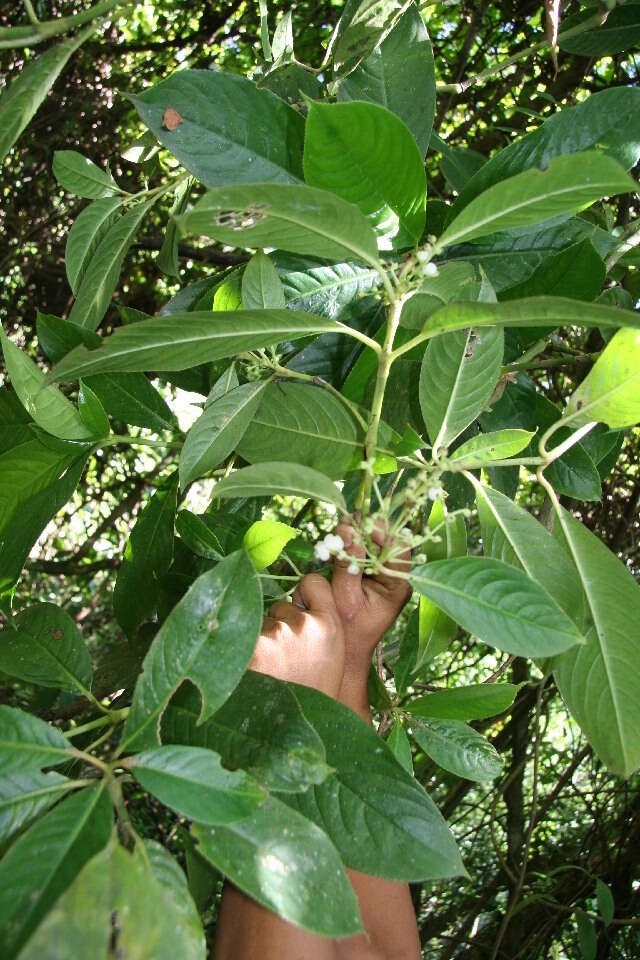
{"x": 449, "y": 344}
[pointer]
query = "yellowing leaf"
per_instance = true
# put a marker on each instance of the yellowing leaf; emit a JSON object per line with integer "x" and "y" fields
{"x": 265, "y": 540}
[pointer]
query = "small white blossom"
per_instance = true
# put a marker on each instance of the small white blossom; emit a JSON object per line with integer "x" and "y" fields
{"x": 353, "y": 569}
{"x": 333, "y": 542}
{"x": 322, "y": 553}
{"x": 430, "y": 270}
{"x": 435, "y": 493}
{"x": 423, "y": 255}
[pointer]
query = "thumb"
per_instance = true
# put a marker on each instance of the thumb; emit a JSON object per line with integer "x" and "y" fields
{"x": 347, "y": 587}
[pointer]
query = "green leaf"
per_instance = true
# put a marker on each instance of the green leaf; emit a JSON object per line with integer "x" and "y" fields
{"x": 265, "y": 540}
{"x": 228, "y": 380}
{"x": 49, "y": 408}
{"x": 578, "y": 272}
{"x": 303, "y": 424}
{"x": 457, "y": 378}
{"x": 364, "y": 23}
{"x": 486, "y": 447}
{"x": 587, "y": 936}
{"x": 261, "y": 285}
{"x": 130, "y": 397}
{"x": 208, "y": 638}
{"x": 23, "y": 796}
{"x": 398, "y": 743}
{"x": 252, "y": 135}
{"x": 168, "y": 256}
{"x": 92, "y": 412}
{"x": 451, "y": 282}
{"x": 288, "y": 865}
{"x": 498, "y": 604}
{"x": 102, "y": 272}
{"x": 218, "y": 430}
{"x": 27, "y": 743}
{"x": 179, "y": 341}
{"x": 24, "y": 471}
{"x": 606, "y": 904}
{"x": 43, "y": 645}
{"x": 537, "y": 311}
{"x": 477, "y": 702}
{"x": 80, "y": 176}
{"x": 266, "y": 479}
{"x": 260, "y": 728}
{"x": 452, "y": 531}
{"x": 620, "y": 31}
{"x": 514, "y": 536}
{"x": 192, "y": 782}
{"x": 22, "y": 98}
{"x": 593, "y": 123}
{"x": 146, "y": 891}
{"x": 574, "y": 473}
{"x": 299, "y": 219}
{"x": 458, "y": 164}
{"x": 399, "y": 74}
{"x": 147, "y": 557}
{"x": 567, "y": 185}
{"x": 458, "y": 748}
{"x": 365, "y": 154}
{"x": 26, "y": 525}
{"x": 599, "y": 681}
{"x": 43, "y": 862}
{"x": 198, "y": 534}
{"x": 400, "y": 833}
{"x": 611, "y": 390}
{"x": 86, "y": 233}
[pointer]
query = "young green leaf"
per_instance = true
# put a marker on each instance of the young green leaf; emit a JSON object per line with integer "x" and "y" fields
{"x": 265, "y": 540}
{"x": 477, "y": 702}
{"x": 457, "y": 378}
{"x": 86, "y": 232}
{"x": 49, "y": 408}
{"x": 218, "y": 430}
{"x": 22, "y": 98}
{"x": 168, "y": 256}
{"x": 611, "y": 390}
{"x": 498, "y": 604}
{"x": 399, "y": 74}
{"x": 192, "y": 782}
{"x": 198, "y": 534}
{"x": 567, "y": 185}
{"x": 587, "y": 936}
{"x": 303, "y": 424}
{"x": 367, "y": 156}
{"x": 146, "y": 890}
{"x": 27, "y": 743}
{"x": 25, "y": 795}
{"x": 260, "y": 729}
{"x": 599, "y": 682}
{"x": 369, "y": 787}
{"x": 180, "y": 341}
{"x": 606, "y": 903}
{"x": 287, "y": 864}
{"x": 45, "y": 647}
{"x": 451, "y": 531}
{"x": 252, "y": 135}
{"x": 103, "y": 270}
{"x": 44, "y": 861}
{"x": 490, "y": 446}
{"x": 296, "y": 218}
{"x": 208, "y": 638}
{"x": 398, "y": 743}
{"x": 458, "y": 748}
{"x": 92, "y": 412}
{"x": 82, "y": 177}
{"x": 261, "y": 284}
{"x": 266, "y": 479}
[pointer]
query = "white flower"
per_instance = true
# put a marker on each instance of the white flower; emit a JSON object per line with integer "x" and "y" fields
{"x": 430, "y": 270}
{"x": 333, "y": 542}
{"x": 322, "y": 553}
{"x": 435, "y": 493}
{"x": 423, "y": 255}
{"x": 353, "y": 569}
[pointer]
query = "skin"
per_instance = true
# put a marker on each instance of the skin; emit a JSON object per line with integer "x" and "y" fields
{"x": 325, "y": 639}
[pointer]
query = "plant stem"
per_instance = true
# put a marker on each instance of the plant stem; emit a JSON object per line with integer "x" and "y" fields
{"x": 357, "y": 335}
{"x": 76, "y": 731}
{"x": 629, "y": 239}
{"x": 39, "y": 31}
{"x": 137, "y": 441}
{"x": 548, "y": 456}
{"x": 385, "y": 359}
{"x": 31, "y": 12}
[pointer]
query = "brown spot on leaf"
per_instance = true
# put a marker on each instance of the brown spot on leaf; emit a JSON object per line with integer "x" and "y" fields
{"x": 58, "y": 635}
{"x": 171, "y": 119}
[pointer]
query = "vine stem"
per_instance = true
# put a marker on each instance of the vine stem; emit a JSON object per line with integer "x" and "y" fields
{"x": 385, "y": 359}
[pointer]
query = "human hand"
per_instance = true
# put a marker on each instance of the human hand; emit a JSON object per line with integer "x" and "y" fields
{"x": 303, "y": 641}
{"x": 367, "y": 606}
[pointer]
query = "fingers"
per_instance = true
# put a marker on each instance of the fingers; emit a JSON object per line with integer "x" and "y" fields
{"x": 316, "y": 595}
{"x": 397, "y": 586}
{"x": 347, "y": 587}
